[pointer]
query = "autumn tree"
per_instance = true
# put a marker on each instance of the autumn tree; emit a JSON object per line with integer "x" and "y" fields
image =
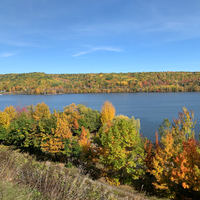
{"x": 149, "y": 150}
{"x": 84, "y": 137}
{"x": 41, "y": 111}
{"x": 72, "y": 112}
{"x": 73, "y": 116}
{"x": 54, "y": 141}
{"x": 170, "y": 146}
{"x": 163, "y": 164}
{"x": 122, "y": 149}
{"x": 84, "y": 142}
{"x": 6, "y": 117}
{"x": 107, "y": 112}
{"x": 187, "y": 166}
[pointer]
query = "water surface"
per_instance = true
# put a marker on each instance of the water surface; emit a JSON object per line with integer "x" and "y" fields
{"x": 150, "y": 108}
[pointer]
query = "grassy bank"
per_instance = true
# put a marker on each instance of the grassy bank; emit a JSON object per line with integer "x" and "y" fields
{"x": 22, "y": 177}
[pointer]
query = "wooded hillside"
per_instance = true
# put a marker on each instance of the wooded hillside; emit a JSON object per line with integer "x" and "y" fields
{"x": 41, "y": 83}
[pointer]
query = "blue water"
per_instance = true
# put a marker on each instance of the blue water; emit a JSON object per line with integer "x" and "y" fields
{"x": 150, "y": 108}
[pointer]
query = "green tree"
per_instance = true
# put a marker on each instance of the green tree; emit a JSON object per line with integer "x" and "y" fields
{"x": 90, "y": 118}
{"x": 123, "y": 149}
{"x": 20, "y": 130}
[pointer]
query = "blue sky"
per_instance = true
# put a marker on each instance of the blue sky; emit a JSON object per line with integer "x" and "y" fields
{"x": 92, "y": 36}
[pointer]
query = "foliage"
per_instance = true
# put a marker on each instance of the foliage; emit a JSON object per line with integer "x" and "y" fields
{"x": 7, "y": 116}
{"x": 20, "y": 130}
{"x": 149, "y": 150}
{"x": 41, "y": 111}
{"x": 84, "y": 137}
{"x": 72, "y": 149}
{"x": 170, "y": 151}
{"x": 163, "y": 165}
{"x": 3, "y": 133}
{"x": 90, "y": 118}
{"x": 73, "y": 116}
{"x": 41, "y": 132}
{"x": 187, "y": 166}
{"x": 107, "y": 112}
{"x": 123, "y": 152}
{"x": 41, "y": 83}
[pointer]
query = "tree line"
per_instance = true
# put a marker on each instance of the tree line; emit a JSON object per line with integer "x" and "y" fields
{"x": 110, "y": 146}
{"x": 41, "y": 83}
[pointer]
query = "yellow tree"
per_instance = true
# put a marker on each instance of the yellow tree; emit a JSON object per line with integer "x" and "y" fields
{"x": 7, "y": 115}
{"x": 107, "y": 112}
{"x": 41, "y": 111}
{"x": 163, "y": 162}
{"x": 55, "y": 142}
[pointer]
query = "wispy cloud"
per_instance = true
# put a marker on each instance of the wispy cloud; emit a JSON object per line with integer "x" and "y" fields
{"x": 12, "y": 40}
{"x": 105, "y": 48}
{"x": 8, "y": 54}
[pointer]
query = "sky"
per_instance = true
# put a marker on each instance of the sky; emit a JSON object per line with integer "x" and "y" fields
{"x": 93, "y": 36}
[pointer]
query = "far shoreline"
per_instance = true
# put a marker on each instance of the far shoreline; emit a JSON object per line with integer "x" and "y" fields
{"x": 7, "y": 93}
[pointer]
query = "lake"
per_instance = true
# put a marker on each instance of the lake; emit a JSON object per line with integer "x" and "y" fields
{"x": 150, "y": 108}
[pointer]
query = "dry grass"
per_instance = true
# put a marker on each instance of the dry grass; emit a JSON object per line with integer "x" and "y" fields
{"x": 11, "y": 191}
{"x": 22, "y": 177}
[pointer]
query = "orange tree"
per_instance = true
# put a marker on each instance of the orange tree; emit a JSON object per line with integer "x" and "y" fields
{"x": 169, "y": 148}
{"x": 187, "y": 168}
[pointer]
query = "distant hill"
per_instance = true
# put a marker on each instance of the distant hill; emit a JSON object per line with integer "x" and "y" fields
{"x": 41, "y": 83}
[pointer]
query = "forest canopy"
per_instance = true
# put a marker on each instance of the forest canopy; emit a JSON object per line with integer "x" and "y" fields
{"x": 41, "y": 83}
